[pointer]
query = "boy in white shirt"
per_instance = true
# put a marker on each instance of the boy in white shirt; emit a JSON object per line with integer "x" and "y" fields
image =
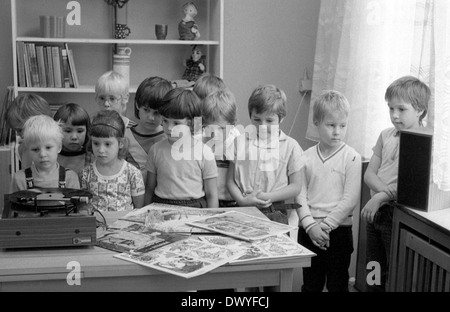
{"x": 331, "y": 186}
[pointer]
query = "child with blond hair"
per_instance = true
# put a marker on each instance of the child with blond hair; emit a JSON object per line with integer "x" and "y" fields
{"x": 23, "y": 107}
{"x": 112, "y": 93}
{"x": 331, "y": 186}
{"x": 42, "y": 139}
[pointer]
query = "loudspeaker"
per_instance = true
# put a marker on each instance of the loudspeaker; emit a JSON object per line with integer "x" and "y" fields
{"x": 415, "y": 188}
{"x": 414, "y": 169}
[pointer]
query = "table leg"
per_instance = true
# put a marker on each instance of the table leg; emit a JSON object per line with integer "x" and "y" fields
{"x": 286, "y": 280}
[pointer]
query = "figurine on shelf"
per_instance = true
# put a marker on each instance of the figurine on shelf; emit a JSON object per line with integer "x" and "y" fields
{"x": 195, "y": 67}
{"x": 187, "y": 28}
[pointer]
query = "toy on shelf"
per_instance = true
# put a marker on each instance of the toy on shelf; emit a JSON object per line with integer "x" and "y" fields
{"x": 187, "y": 28}
{"x": 195, "y": 67}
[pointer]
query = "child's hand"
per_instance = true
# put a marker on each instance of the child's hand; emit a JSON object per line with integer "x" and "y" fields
{"x": 327, "y": 230}
{"x": 251, "y": 199}
{"x": 391, "y": 191}
{"x": 370, "y": 209}
{"x": 319, "y": 238}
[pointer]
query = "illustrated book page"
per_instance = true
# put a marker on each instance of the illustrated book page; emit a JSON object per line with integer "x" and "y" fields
{"x": 186, "y": 258}
{"x": 123, "y": 236}
{"x": 241, "y": 226}
{"x": 170, "y": 218}
{"x": 274, "y": 248}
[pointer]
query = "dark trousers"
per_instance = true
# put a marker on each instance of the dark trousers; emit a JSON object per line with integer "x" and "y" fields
{"x": 329, "y": 267}
{"x": 379, "y": 244}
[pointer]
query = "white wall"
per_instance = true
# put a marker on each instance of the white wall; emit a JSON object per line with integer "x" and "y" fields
{"x": 270, "y": 42}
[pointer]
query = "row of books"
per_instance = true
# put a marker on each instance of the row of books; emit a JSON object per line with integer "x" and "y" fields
{"x": 42, "y": 66}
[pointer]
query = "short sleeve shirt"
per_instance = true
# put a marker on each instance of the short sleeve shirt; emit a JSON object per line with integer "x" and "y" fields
{"x": 387, "y": 148}
{"x": 113, "y": 193}
{"x": 180, "y": 172}
{"x": 265, "y": 167}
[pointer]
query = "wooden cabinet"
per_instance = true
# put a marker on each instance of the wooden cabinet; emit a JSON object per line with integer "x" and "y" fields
{"x": 93, "y": 39}
{"x": 420, "y": 251}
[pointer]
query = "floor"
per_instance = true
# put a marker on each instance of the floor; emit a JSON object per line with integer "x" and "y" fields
{"x": 297, "y": 284}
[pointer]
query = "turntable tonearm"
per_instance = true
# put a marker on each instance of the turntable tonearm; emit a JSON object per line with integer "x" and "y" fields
{"x": 47, "y": 218}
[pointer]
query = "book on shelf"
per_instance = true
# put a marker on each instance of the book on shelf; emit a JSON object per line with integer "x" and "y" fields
{"x": 73, "y": 71}
{"x": 66, "y": 69}
{"x": 49, "y": 68}
{"x": 33, "y": 65}
{"x": 57, "y": 68}
{"x": 41, "y": 66}
{"x": 45, "y": 66}
{"x": 27, "y": 70}
{"x": 20, "y": 51}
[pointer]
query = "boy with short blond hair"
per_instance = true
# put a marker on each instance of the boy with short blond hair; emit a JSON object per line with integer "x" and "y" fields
{"x": 331, "y": 185}
{"x": 43, "y": 140}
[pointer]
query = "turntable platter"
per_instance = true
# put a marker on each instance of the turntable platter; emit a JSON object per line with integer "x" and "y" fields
{"x": 48, "y": 198}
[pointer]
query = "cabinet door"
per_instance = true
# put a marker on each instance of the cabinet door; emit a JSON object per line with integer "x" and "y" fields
{"x": 422, "y": 266}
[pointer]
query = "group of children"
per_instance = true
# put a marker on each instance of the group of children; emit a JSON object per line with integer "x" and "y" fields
{"x": 187, "y": 149}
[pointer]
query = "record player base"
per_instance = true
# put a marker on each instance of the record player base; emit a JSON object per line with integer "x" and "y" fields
{"x": 47, "y": 231}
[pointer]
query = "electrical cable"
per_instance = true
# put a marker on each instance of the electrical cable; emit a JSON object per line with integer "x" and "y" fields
{"x": 298, "y": 110}
{"x": 103, "y": 223}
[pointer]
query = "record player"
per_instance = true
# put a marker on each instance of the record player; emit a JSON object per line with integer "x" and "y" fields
{"x": 44, "y": 217}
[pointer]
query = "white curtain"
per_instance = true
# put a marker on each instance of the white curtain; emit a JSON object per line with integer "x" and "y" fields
{"x": 441, "y": 117}
{"x": 364, "y": 45}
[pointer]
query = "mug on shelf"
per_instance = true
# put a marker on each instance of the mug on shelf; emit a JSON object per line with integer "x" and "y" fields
{"x": 161, "y": 31}
{"x": 122, "y": 31}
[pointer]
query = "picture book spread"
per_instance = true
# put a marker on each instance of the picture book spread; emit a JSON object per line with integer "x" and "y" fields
{"x": 274, "y": 248}
{"x": 159, "y": 236}
{"x": 185, "y": 258}
{"x": 241, "y": 226}
{"x": 124, "y": 236}
{"x": 170, "y": 218}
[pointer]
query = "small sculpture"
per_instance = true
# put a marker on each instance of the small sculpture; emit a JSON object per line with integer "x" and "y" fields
{"x": 187, "y": 28}
{"x": 195, "y": 65}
